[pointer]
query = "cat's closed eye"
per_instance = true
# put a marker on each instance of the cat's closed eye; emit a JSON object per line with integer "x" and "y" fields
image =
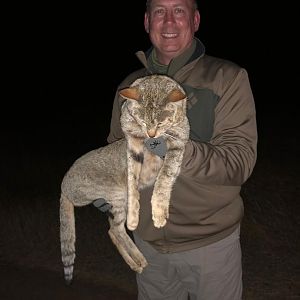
{"x": 165, "y": 117}
{"x": 143, "y": 123}
{"x": 162, "y": 123}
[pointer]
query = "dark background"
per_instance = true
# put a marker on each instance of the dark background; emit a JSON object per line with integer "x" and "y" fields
{"x": 65, "y": 61}
{"x": 62, "y": 65}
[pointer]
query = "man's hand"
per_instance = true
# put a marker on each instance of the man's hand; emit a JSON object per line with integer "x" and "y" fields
{"x": 103, "y": 206}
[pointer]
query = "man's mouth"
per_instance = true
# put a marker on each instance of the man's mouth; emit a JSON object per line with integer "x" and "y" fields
{"x": 169, "y": 35}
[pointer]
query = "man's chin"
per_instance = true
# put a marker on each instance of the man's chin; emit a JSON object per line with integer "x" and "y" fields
{"x": 171, "y": 48}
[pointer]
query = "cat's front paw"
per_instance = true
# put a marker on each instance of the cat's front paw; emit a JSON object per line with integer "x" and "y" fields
{"x": 133, "y": 207}
{"x": 132, "y": 222}
{"x": 159, "y": 216}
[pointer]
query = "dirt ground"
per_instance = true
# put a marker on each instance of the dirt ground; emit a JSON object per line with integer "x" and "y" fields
{"x": 21, "y": 283}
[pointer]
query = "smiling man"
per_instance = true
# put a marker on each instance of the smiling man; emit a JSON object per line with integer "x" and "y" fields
{"x": 197, "y": 254}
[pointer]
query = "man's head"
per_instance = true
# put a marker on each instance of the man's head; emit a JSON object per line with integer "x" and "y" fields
{"x": 171, "y": 25}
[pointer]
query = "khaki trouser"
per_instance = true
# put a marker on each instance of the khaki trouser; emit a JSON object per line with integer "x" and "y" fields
{"x": 213, "y": 272}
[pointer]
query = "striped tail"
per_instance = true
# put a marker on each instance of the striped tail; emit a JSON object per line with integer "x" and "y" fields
{"x": 67, "y": 237}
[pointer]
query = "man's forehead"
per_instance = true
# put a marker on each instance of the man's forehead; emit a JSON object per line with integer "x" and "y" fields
{"x": 171, "y": 2}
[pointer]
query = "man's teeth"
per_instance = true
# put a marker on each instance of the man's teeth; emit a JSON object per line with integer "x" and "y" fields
{"x": 169, "y": 35}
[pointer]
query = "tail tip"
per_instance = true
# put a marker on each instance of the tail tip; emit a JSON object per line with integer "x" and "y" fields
{"x": 68, "y": 281}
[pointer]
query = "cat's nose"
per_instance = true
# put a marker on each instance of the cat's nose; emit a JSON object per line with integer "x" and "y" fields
{"x": 151, "y": 132}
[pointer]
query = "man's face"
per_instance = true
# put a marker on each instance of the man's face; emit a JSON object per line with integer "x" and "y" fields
{"x": 171, "y": 25}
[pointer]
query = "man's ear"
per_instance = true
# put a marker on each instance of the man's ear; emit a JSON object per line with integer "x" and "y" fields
{"x": 146, "y": 22}
{"x": 196, "y": 20}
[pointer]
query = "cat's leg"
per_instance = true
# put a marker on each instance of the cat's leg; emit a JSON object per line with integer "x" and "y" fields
{"x": 166, "y": 178}
{"x": 129, "y": 251}
{"x": 135, "y": 159}
{"x": 125, "y": 245}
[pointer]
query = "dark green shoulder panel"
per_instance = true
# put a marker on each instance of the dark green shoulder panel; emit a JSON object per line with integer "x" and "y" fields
{"x": 201, "y": 112}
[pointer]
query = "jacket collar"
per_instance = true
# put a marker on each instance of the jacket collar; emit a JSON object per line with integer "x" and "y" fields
{"x": 147, "y": 58}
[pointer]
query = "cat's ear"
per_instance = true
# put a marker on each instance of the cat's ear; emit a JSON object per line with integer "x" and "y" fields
{"x": 176, "y": 95}
{"x": 131, "y": 93}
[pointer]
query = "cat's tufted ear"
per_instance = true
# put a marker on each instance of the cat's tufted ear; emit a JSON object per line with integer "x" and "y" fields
{"x": 131, "y": 93}
{"x": 176, "y": 95}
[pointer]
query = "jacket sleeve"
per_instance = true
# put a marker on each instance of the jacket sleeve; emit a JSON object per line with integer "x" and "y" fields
{"x": 116, "y": 132}
{"x": 230, "y": 156}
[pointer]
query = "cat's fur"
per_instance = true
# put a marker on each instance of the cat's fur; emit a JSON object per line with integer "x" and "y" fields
{"x": 154, "y": 106}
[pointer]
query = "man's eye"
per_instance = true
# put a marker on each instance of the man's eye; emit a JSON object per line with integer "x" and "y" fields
{"x": 179, "y": 10}
{"x": 159, "y": 12}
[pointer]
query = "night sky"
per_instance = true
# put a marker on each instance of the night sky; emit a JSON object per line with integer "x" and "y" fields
{"x": 65, "y": 62}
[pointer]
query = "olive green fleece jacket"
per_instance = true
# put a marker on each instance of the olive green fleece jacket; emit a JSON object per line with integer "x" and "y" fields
{"x": 206, "y": 205}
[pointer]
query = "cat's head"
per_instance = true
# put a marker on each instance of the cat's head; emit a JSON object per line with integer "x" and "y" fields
{"x": 153, "y": 105}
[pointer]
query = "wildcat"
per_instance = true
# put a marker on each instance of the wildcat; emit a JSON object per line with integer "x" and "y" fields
{"x": 154, "y": 109}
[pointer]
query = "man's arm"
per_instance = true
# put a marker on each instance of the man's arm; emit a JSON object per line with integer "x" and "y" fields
{"x": 116, "y": 132}
{"x": 230, "y": 156}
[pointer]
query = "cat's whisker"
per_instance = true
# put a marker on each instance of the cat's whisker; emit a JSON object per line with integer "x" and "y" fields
{"x": 171, "y": 136}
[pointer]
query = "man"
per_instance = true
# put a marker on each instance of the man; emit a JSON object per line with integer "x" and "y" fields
{"x": 197, "y": 254}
